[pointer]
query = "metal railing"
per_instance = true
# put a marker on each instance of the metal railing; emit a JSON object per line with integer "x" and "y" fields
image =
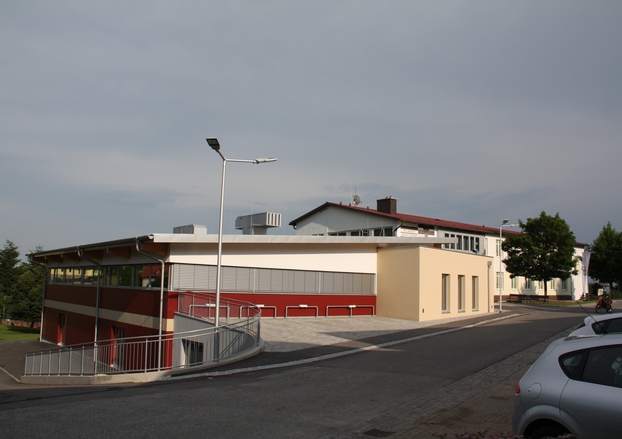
{"x": 169, "y": 352}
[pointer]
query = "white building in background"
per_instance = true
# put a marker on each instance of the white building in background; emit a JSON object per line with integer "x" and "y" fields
{"x": 338, "y": 219}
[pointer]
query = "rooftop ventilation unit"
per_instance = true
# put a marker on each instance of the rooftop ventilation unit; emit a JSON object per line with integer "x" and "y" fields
{"x": 258, "y": 223}
{"x": 191, "y": 229}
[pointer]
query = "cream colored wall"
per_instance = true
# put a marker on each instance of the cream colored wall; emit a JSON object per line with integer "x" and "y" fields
{"x": 410, "y": 283}
{"x": 398, "y": 283}
{"x": 320, "y": 257}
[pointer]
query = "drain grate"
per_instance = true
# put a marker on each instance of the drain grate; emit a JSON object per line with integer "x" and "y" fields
{"x": 374, "y": 432}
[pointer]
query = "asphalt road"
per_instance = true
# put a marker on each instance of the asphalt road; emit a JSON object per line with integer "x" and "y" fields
{"x": 456, "y": 381}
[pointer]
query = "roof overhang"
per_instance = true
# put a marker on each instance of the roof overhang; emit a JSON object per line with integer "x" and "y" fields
{"x": 158, "y": 244}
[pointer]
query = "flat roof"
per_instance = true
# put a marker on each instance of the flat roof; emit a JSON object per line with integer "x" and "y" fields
{"x": 158, "y": 243}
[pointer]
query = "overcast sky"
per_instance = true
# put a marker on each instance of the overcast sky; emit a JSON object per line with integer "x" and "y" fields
{"x": 471, "y": 111}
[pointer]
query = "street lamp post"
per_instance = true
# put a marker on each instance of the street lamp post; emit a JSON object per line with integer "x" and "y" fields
{"x": 500, "y": 278}
{"x": 213, "y": 143}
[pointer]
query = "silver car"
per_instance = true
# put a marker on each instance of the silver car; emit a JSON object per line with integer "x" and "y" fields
{"x": 574, "y": 387}
{"x": 600, "y": 324}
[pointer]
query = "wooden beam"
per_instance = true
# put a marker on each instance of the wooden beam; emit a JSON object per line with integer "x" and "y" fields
{"x": 94, "y": 254}
{"x": 157, "y": 249}
{"x": 54, "y": 258}
{"x": 124, "y": 252}
{"x": 72, "y": 256}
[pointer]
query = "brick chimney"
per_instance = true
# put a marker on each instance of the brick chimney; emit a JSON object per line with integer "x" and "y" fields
{"x": 387, "y": 205}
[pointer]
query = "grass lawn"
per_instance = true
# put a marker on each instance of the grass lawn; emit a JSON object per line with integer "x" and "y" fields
{"x": 18, "y": 333}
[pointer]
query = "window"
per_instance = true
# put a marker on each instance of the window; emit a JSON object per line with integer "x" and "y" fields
{"x": 112, "y": 276}
{"x": 387, "y": 231}
{"x": 604, "y": 366}
{"x": 126, "y": 276}
{"x": 461, "y": 293}
{"x": 464, "y": 243}
{"x": 608, "y": 326}
{"x": 565, "y": 285}
{"x": 598, "y": 366}
{"x": 540, "y": 285}
{"x": 445, "y": 293}
{"x": 193, "y": 352}
{"x": 475, "y": 244}
{"x": 498, "y": 250}
{"x": 572, "y": 364}
{"x": 528, "y": 284}
{"x": 91, "y": 276}
{"x": 552, "y": 284}
{"x": 515, "y": 283}
{"x": 499, "y": 282}
{"x": 475, "y": 293}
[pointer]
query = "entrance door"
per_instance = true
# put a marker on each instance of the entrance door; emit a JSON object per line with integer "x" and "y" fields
{"x": 60, "y": 332}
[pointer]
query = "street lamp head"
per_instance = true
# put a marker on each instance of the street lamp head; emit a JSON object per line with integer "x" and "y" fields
{"x": 505, "y": 221}
{"x": 267, "y": 160}
{"x": 213, "y": 143}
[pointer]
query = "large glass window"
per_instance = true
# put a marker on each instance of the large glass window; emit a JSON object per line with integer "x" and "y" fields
{"x": 91, "y": 276}
{"x": 131, "y": 276}
{"x": 125, "y": 276}
{"x": 112, "y": 276}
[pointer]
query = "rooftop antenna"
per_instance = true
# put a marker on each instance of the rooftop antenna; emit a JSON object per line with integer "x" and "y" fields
{"x": 356, "y": 200}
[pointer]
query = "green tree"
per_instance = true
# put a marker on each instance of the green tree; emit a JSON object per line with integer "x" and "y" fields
{"x": 606, "y": 259}
{"x": 25, "y": 302}
{"x": 543, "y": 251}
{"x": 9, "y": 273}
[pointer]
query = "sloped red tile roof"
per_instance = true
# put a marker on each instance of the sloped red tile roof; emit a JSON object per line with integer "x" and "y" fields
{"x": 403, "y": 217}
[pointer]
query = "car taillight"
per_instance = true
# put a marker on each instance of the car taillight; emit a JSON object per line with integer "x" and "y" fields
{"x": 517, "y": 389}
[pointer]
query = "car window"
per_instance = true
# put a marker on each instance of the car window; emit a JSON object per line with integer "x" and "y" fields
{"x": 572, "y": 364}
{"x": 604, "y": 366}
{"x": 615, "y": 325}
{"x": 600, "y": 327}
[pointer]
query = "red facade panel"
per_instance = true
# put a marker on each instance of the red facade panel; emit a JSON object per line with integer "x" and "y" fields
{"x": 76, "y": 294}
{"x": 338, "y": 305}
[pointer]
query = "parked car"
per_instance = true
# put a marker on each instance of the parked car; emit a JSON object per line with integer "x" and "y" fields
{"x": 600, "y": 324}
{"x": 574, "y": 387}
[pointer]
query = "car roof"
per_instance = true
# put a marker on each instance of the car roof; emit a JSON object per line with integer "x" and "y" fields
{"x": 578, "y": 342}
{"x": 600, "y": 317}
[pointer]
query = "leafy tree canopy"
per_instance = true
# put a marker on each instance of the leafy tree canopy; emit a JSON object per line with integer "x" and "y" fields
{"x": 25, "y": 304}
{"x": 543, "y": 251}
{"x": 21, "y": 285}
{"x": 606, "y": 259}
{"x": 9, "y": 269}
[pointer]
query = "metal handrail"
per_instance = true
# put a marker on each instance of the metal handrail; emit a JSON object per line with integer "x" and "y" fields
{"x": 199, "y": 347}
{"x": 301, "y": 306}
{"x": 351, "y": 308}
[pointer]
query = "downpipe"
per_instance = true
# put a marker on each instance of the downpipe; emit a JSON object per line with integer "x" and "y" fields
{"x": 96, "y": 332}
{"x": 163, "y": 264}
